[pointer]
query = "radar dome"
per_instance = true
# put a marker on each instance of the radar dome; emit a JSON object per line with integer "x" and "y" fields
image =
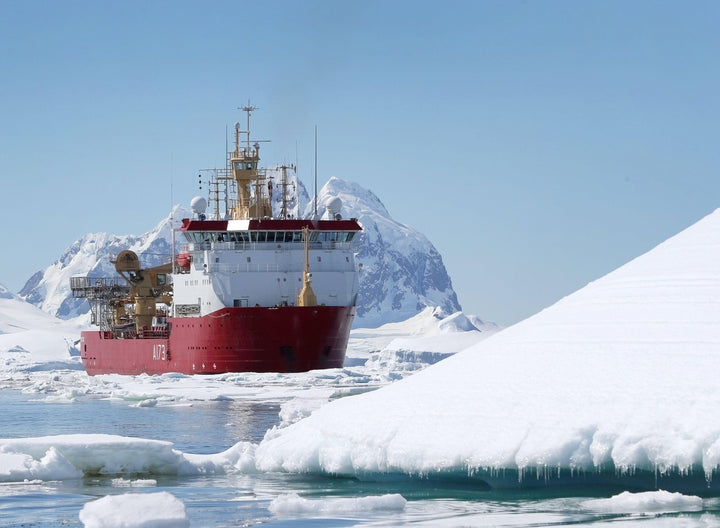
{"x": 333, "y": 205}
{"x": 198, "y": 205}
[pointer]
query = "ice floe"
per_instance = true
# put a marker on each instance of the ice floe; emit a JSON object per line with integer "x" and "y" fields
{"x": 618, "y": 379}
{"x": 135, "y": 510}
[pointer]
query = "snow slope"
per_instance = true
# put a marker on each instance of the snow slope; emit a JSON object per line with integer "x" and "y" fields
{"x": 617, "y": 381}
{"x": 32, "y": 340}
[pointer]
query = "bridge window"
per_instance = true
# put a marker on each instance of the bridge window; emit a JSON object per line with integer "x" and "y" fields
{"x": 200, "y": 237}
{"x": 334, "y": 236}
{"x": 238, "y": 236}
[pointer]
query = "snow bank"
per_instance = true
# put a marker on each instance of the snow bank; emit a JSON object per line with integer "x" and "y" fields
{"x": 618, "y": 379}
{"x": 74, "y": 456}
{"x": 146, "y": 510}
{"x": 293, "y": 504}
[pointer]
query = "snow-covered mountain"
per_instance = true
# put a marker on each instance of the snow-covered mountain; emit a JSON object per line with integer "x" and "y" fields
{"x": 401, "y": 271}
{"x": 49, "y": 289}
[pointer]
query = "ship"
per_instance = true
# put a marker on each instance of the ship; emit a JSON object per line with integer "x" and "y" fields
{"x": 247, "y": 290}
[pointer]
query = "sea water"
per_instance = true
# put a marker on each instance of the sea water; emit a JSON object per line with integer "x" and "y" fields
{"x": 238, "y": 499}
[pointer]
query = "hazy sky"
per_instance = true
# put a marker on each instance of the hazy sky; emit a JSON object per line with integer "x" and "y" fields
{"x": 537, "y": 144}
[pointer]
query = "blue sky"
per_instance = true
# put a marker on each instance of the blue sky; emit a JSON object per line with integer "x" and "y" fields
{"x": 537, "y": 144}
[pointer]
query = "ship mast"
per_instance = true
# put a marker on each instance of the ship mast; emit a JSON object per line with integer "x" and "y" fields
{"x": 250, "y": 180}
{"x": 284, "y": 184}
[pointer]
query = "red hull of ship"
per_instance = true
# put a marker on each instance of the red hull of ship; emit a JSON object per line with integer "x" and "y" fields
{"x": 279, "y": 339}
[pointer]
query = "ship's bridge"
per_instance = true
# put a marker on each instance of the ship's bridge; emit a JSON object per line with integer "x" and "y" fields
{"x": 237, "y": 263}
{"x": 204, "y": 234}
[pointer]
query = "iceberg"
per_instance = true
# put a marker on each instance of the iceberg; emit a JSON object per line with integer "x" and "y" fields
{"x": 615, "y": 383}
